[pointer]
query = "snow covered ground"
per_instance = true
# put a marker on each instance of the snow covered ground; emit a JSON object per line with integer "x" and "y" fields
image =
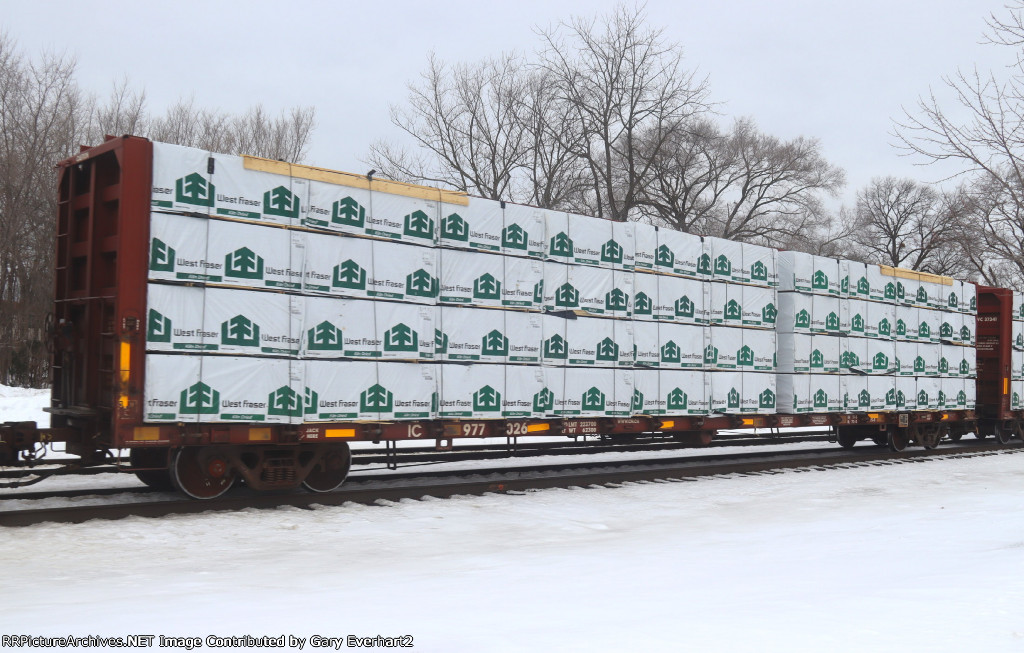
{"x": 926, "y": 556}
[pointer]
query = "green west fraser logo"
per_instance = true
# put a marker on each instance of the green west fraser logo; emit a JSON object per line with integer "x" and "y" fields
{"x": 670, "y": 353}
{"x": 349, "y": 274}
{"x": 494, "y": 344}
{"x": 567, "y": 296}
{"x": 243, "y": 263}
{"x": 288, "y": 403}
{"x": 556, "y": 347}
{"x": 759, "y": 271}
{"x": 486, "y": 287}
{"x": 194, "y": 189}
{"x": 607, "y": 350}
{"x": 543, "y": 401}
{"x": 161, "y": 256}
{"x": 616, "y": 300}
{"x": 486, "y": 400}
{"x": 421, "y": 284}
{"x": 281, "y": 202}
{"x": 376, "y": 399}
{"x": 637, "y": 404}
{"x": 665, "y": 257}
{"x": 642, "y": 304}
{"x": 455, "y": 227}
{"x": 419, "y": 225}
{"x": 676, "y": 400}
{"x": 593, "y": 399}
{"x": 347, "y": 211}
{"x": 611, "y": 252}
{"x": 199, "y": 399}
{"x": 561, "y": 245}
{"x": 325, "y": 337}
{"x": 401, "y": 337}
{"x": 723, "y": 266}
{"x": 514, "y": 237}
{"x": 240, "y": 331}
{"x": 158, "y": 327}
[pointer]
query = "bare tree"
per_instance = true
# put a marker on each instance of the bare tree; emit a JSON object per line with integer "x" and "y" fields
{"x": 903, "y": 223}
{"x": 626, "y": 89}
{"x": 42, "y": 112}
{"x": 742, "y": 185}
{"x": 468, "y": 117}
{"x": 986, "y": 146}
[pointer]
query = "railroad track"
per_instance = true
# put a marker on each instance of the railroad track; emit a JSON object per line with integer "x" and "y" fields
{"x": 423, "y": 455}
{"x": 370, "y": 489}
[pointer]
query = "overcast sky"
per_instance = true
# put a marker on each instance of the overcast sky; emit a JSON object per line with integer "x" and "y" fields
{"x": 835, "y": 71}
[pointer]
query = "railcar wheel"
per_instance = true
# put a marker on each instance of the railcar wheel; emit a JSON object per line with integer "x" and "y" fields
{"x": 1018, "y": 429}
{"x": 954, "y": 436}
{"x": 331, "y": 471}
{"x": 1002, "y": 433}
{"x": 846, "y": 438}
{"x": 898, "y": 439}
{"x": 882, "y": 439}
{"x": 202, "y": 472}
{"x": 158, "y": 479}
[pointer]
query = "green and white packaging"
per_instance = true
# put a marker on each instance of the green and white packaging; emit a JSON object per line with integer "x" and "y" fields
{"x": 475, "y": 226}
{"x": 883, "y": 392}
{"x": 647, "y": 399}
{"x": 795, "y": 310}
{"x": 971, "y": 392}
{"x": 523, "y": 278}
{"x": 681, "y": 346}
{"x": 645, "y": 296}
{"x": 174, "y": 391}
{"x": 585, "y": 392}
{"x": 906, "y": 393}
{"x": 726, "y": 259}
{"x": 853, "y": 317}
{"x": 968, "y": 330}
{"x": 856, "y": 396}
{"x": 471, "y": 278}
{"x": 760, "y": 307}
{"x": 928, "y": 389}
{"x": 929, "y": 323}
{"x": 855, "y": 274}
{"x": 177, "y": 250}
{"x": 759, "y": 267}
{"x": 950, "y": 326}
{"x": 906, "y": 355}
{"x": 681, "y": 253}
{"x": 826, "y": 393}
{"x": 825, "y": 354}
{"x": 645, "y": 245}
{"x": 760, "y": 393}
{"x": 759, "y": 350}
{"x": 257, "y": 195}
{"x": 881, "y": 357}
{"x": 881, "y": 287}
{"x": 853, "y": 352}
{"x": 794, "y": 393}
{"x": 930, "y": 354}
{"x": 953, "y": 394}
{"x": 523, "y": 234}
{"x": 355, "y": 328}
{"x": 724, "y": 349}
{"x": 794, "y": 352}
{"x": 808, "y": 273}
{"x": 880, "y": 321}
{"x": 469, "y": 334}
{"x": 174, "y": 319}
{"x": 682, "y": 393}
{"x": 969, "y": 302}
{"x": 597, "y": 341}
{"x": 683, "y": 300}
{"x": 906, "y": 323}
{"x": 406, "y": 219}
{"x": 335, "y": 207}
{"x": 624, "y": 235}
{"x": 726, "y": 307}
{"x": 250, "y": 389}
{"x": 825, "y": 314}
{"x": 251, "y": 322}
{"x": 368, "y": 390}
{"x": 594, "y": 241}
{"x": 257, "y": 256}
{"x": 810, "y": 393}
{"x": 181, "y": 180}
{"x": 484, "y": 391}
{"x": 364, "y": 268}
{"x": 724, "y": 390}
{"x": 647, "y": 343}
